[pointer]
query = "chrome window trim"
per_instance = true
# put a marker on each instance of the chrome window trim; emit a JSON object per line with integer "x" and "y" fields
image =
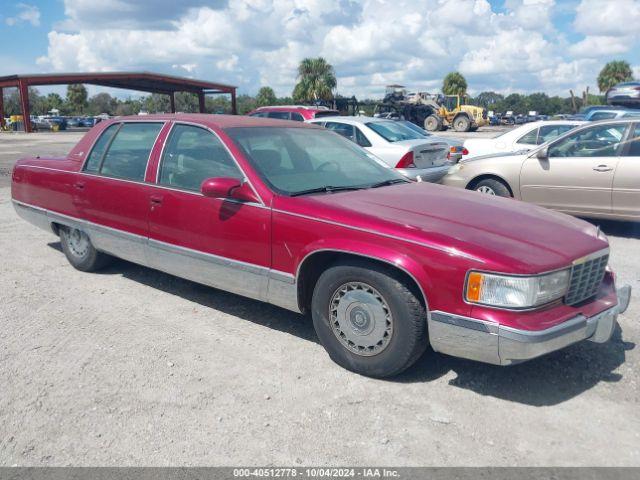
{"x": 366, "y": 230}
{"x": 122, "y": 122}
{"x": 245, "y": 178}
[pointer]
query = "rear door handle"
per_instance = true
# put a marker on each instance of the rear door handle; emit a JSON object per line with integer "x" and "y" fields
{"x": 156, "y": 200}
{"x": 79, "y": 185}
{"x": 603, "y": 168}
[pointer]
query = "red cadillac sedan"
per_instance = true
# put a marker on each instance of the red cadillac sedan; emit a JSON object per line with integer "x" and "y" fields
{"x": 297, "y": 216}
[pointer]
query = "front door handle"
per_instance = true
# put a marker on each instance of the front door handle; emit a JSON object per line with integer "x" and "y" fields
{"x": 603, "y": 168}
{"x": 79, "y": 185}
{"x": 156, "y": 200}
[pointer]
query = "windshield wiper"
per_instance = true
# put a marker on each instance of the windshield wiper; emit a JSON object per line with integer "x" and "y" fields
{"x": 326, "y": 188}
{"x": 392, "y": 181}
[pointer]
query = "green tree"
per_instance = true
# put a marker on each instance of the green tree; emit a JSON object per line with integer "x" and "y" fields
{"x": 316, "y": 81}
{"x": 266, "y": 96}
{"x": 454, "y": 84}
{"x": 102, "y": 103}
{"x": 55, "y": 101}
{"x": 187, "y": 102}
{"x": 157, "y": 103}
{"x": 613, "y": 73}
{"x": 76, "y": 98}
{"x": 488, "y": 99}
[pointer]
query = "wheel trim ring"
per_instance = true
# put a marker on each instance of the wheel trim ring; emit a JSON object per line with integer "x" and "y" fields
{"x": 78, "y": 242}
{"x": 486, "y": 190}
{"x": 365, "y": 340}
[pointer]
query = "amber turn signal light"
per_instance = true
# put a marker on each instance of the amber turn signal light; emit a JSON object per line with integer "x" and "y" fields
{"x": 474, "y": 286}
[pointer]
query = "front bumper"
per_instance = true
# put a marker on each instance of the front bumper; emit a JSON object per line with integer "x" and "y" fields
{"x": 500, "y": 345}
{"x": 431, "y": 174}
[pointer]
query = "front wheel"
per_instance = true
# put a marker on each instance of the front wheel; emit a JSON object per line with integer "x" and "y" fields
{"x": 368, "y": 319}
{"x": 491, "y": 186}
{"x": 462, "y": 124}
{"x": 80, "y": 252}
{"x": 432, "y": 123}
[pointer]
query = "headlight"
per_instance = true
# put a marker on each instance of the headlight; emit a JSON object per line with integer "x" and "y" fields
{"x": 515, "y": 292}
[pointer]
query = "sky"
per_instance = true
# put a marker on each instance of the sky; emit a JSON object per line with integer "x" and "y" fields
{"x": 505, "y": 46}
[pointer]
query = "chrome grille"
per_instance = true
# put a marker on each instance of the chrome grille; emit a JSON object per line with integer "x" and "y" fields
{"x": 585, "y": 279}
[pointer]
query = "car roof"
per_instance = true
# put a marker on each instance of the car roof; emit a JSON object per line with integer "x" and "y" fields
{"x": 350, "y": 120}
{"x": 214, "y": 121}
{"x": 310, "y": 108}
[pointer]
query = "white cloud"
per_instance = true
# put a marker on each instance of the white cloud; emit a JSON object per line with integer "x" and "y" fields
{"x": 605, "y": 17}
{"x": 26, "y": 14}
{"x": 252, "y": 43}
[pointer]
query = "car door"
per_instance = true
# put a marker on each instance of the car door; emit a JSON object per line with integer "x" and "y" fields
{"x": 220, "y": 242}
{"x": 577, "y": 175}
{"x": 626, "y": 181}
{"x": 111, "y": 192}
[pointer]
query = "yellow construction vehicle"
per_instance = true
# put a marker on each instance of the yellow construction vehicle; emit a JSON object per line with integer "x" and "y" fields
{"x": 431, "y": 111}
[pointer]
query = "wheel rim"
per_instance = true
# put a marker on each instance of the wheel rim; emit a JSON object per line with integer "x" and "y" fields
{"x": 361, "y": 319}
{"x": 485, "y": 189}
{"x": 78, "y": 242}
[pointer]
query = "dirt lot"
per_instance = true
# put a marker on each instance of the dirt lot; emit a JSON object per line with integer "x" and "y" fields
{"x": 135, "y": 367}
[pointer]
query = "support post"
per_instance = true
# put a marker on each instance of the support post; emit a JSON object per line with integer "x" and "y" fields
{"x": 172, "y": 102}
{"x": 201, "y": 102}
{"x": 24, "y": 102}
{"x": 234, "y": 109}
{"x": 1, "y": 108}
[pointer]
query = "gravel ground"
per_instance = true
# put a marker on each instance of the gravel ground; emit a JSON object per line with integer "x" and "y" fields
{"x": 135, "y": 367}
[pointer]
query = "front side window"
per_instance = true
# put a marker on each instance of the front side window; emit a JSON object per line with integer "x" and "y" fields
{"x": 394, "y": 131}
{"x": 193, "y": 154}
{"x": 598, "y": 141}
{"x": 294, "y": 160}
{"x": 634, "y": 143}
{"x": 99, "y": 149}
{"x": 529, "y": 138}
{"x": 549, "y": 132}
{"x": 129, "y": 151}
{"x": 602, "y": 116}
{"x": 297, "y": 117}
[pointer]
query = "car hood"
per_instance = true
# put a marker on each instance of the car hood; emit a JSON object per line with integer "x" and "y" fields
{"x": 497, "y": 232}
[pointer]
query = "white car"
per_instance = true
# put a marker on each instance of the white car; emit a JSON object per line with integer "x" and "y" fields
{"x": 523, "y": 138}
{"x": 400, "y": 147}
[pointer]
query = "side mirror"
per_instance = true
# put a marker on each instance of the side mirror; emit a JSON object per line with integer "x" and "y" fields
{"x": 227, "y": 187}
{"x": 543, "y": 154}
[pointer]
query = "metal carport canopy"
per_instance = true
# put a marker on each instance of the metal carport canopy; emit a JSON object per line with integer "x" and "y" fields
{"x": 140, "y": 81}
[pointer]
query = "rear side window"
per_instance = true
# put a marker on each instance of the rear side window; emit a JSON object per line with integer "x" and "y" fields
{"x": 100, "y": 147}
{"x": 634, "y": 145}
{"x": 280, "y": 115}
{"x": 297, "y": 117}
{"x": 192, "y": 155}
{"x": 361, "y": 139}
{"x": 129, "y": 151}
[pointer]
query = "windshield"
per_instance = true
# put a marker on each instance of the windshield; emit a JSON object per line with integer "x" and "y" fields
{"x": 294, "y": 160}
{"x": 394, "y": 131}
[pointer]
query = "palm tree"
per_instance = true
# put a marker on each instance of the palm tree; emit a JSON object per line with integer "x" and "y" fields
{"x": 454, "y": 84}
{"x": 266, "y": 96}
{"x": 614, "y": 73}
{"x": 316, "y": 81}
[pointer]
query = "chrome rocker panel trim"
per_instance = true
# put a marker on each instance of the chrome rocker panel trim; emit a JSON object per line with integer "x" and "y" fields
{"x": 500, "y": 345}
{"x": 249, "y": 280}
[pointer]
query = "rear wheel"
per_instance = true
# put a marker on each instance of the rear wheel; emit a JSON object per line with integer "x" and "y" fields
{"x": 491, "y": 186}
{"x": 432, "y": 123}
{"x": 80, "y": 252}
{"x": 461, "y": 123}
{"x": 368, "y": 319}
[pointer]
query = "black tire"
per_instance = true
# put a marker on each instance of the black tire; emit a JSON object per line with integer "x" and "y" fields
{"x": 408, "y": 339}
{"x": 461, "y": 123}
{"x": 432, "y": 123}
{"x": 489, "y": 185}
{"x": 81, "y": 254}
